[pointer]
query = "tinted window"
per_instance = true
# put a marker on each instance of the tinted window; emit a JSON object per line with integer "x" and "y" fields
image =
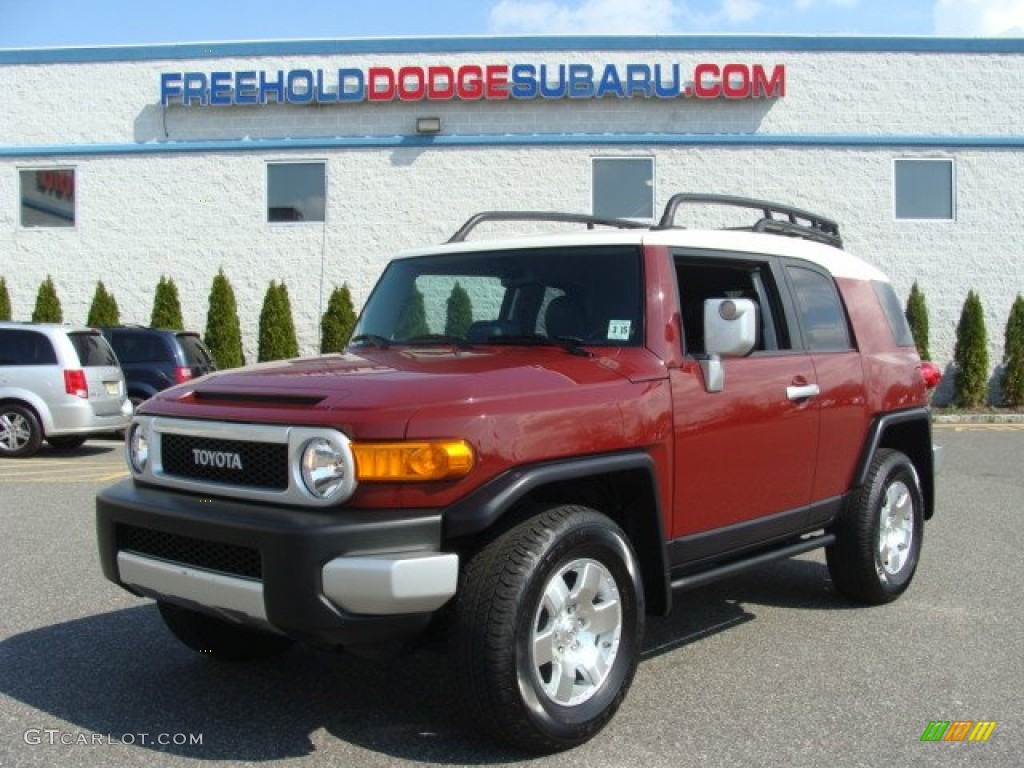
{"x": 48, "y": 198}
{"x": 296, "y": 191}
{"x": 923, "y": 189}
{"x": 821, "y": 313}
{"x": 624, "y": 187}
{"x": 19, "y": 347}
{"x": 894, "y": 314}
{"x": 92, "y": 349}
{"x": 195, "y": 352}
{"x": 594, "y": 294}
{"x": 132, "y": 347}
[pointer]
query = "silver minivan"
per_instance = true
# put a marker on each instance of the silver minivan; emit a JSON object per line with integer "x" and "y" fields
{"x": 58, "y": 382}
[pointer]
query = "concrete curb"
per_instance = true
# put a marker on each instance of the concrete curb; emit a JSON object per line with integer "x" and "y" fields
{"x": 977, "y": 418}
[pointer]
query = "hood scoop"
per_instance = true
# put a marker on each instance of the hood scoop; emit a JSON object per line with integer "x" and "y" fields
{"x": 256, "y": 398}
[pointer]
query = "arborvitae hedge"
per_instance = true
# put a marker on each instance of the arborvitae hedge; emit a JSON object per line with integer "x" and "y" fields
{"x": 48, "y": 309}
{"x": 5, "y": 301}
{"x": 1012, "y": 382}
{"x": 167, "y": 307}
{"x": 223, "y": 334}
{"x": 413, "y": 319}
{"x": 103, "y": 312}
{"x": 970, "y": 383}
{"x": 338, "y": 321}
{"x": 277, "y": 329}
{"x": 917, "y": 319}
{"x": 459, "y": 312}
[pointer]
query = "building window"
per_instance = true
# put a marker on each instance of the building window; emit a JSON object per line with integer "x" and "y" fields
{"x": 296, "y": 191}
{"x": 48, "y": 197}
{"x": 624, "y": 187}
{"x": 923, "y": 189}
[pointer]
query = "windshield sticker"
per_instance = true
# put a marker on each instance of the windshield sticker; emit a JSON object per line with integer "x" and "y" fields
{"x": 618, "y": 330}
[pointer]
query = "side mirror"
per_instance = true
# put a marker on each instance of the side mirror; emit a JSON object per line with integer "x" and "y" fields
{"x": 730, "y": 330}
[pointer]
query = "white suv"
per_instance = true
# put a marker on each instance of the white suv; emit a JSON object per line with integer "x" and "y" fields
{"x": 58, "y": 382}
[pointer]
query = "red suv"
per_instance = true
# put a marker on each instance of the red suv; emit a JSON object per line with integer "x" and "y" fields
{"x": 532, "y": 443}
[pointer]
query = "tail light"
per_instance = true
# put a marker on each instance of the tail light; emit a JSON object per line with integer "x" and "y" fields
{"x": 182, "y": 373}
{"x": 75, "y": 384}
{"x": 931, "y": 373}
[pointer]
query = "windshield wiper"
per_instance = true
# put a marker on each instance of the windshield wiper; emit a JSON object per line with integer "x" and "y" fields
{"x": 436, "y": 338}
{"x": 371, "y": 340}
{"x": 571, "y": 344}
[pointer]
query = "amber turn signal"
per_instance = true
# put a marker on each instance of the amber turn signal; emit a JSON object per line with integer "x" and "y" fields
{"x": 412, "y": 461}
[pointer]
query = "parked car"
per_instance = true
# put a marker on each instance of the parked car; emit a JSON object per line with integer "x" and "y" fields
{"x": 61, "y": 383}
{"x": 617, "y": 417}
{"x": 154, "y": 358}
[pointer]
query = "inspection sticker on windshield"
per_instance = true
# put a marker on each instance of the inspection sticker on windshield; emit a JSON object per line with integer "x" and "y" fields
{"x": 618, "y": 330}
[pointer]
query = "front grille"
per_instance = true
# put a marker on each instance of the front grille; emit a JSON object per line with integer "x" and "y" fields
{"x": 263, "y": 465}
{"x": 211, "y": 555}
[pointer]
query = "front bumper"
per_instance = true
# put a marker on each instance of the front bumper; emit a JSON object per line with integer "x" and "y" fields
{"x": 332, "y": 578}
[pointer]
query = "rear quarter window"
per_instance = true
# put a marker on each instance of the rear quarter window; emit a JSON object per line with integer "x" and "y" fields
{"x": 93, "y": 350}
{"x": 894, "y": 313}
{"x": 821, "y": 312}
{"x": 18, "y": 347}
{"x": 195, "y": 352}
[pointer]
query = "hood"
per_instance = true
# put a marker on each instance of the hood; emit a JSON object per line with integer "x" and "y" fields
{"x": 422, "y": 377}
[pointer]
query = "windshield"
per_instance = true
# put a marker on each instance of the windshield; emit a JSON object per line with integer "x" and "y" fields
{"x": 586, "y": 295}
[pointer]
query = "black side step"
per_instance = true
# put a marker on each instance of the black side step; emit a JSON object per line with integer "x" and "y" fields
{"x": 739, "y": 566}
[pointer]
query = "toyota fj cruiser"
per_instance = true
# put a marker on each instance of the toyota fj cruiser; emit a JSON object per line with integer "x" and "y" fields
{"x": 533, "y": 442}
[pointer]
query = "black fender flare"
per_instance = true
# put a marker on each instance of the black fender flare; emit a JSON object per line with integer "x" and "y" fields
{"x": 482, "y": 508}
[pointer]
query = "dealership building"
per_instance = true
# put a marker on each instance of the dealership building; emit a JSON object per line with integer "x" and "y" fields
{"x": 313, "y": 162}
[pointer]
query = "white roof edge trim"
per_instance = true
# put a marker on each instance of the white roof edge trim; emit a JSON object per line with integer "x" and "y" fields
{"x": 837, "y": 262}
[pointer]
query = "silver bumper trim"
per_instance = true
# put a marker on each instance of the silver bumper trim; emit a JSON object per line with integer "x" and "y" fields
{"x": 404, "y": 582}
{"x": 233, "y": 598}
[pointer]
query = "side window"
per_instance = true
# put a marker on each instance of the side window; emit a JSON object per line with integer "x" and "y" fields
{"x": 821, "y": 312}
{"x": 890, "y": 302}
{"x": 26, "y": 348}
{"x": 701, "y": 279}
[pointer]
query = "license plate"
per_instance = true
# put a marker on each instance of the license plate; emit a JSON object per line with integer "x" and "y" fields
{"x": 113, "y": 388}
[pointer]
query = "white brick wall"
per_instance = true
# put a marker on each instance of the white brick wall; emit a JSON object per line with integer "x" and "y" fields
{"x": 187, "y": 214}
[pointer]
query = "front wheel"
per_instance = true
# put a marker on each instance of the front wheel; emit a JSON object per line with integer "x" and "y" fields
{"x": 20, "y": 433}
{"x": 548, "y": 629}
{"x": 221, "y": 639}
{"x": 878, "y": 536}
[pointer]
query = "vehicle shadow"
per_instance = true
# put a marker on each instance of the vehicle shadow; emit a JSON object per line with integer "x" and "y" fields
{"x": 123, "y": 673}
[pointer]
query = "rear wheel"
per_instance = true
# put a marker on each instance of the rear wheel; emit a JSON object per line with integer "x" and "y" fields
{"x": 65, "y": 442}
{"x": 221, "y": 639}
{"x": 548, "y": 628}
{"x": 20, "y": 433}
{"x": 878, "y": 537}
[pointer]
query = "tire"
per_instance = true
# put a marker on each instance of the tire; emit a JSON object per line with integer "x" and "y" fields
{"x": 221, "y": 639}
{"x": 547, "y": 630}
{"x": 65, "y": 442}
{"x": 878, "y": 536}
{"x": 20, "y": 433}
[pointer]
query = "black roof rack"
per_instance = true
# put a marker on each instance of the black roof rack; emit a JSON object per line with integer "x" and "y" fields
{"x": 775, "y": 218}
{"x": 569, "y": 218}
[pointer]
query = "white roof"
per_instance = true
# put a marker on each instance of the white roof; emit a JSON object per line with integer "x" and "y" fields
{"x": 838, "y": 262}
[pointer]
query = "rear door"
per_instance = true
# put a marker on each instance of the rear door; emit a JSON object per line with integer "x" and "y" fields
{"x": 744, "y": 457}
{"x": 102, "y": 371}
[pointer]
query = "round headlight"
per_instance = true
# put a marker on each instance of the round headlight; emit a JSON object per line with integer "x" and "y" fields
{"x": 324, "y": 468}
{"x": 137, "y": 448}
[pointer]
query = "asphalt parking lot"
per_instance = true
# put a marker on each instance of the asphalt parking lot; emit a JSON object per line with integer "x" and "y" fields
{"x": 766, "y": 669}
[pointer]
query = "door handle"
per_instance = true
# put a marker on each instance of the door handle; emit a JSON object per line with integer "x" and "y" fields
{"x": 804, "y": 392}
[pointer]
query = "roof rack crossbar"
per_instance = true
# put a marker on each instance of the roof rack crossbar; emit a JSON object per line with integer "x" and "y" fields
{"x": 566, "y": 218}
{"x": 795, "y": 222}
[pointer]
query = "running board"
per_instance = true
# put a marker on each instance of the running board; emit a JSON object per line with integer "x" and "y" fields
{"x": 739, "y": 566}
